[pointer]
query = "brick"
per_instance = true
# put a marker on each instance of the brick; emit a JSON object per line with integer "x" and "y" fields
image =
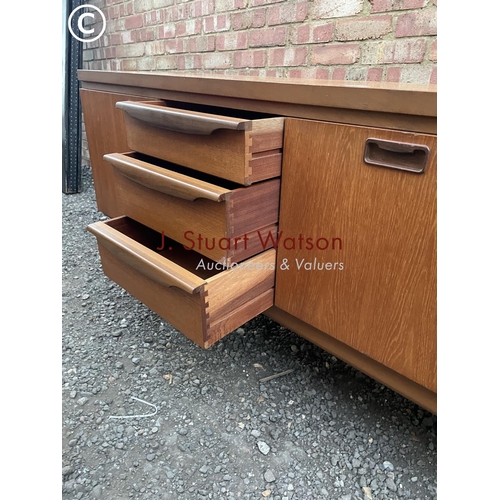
{"x": 290, "y": 12}
{"x": 433, "y": 52}
{"x": 130, "y": 50}
{"x": 146, "y": 64}
{"x": 217, "y": 60}
{"x": 374, "y": 74}
{"x": 255, "y": 3}
{"x": 201, "y": 44}
{"x": 250, "y": 59}
{"x": 339, "y": 74}
{"x": 133, "y": 22}
{"x": 229, "y": 5}
{"x": 155, "y": 48}
{"x": 216, "y": 23}
{"x": 335, "y": 54}
{"x": 403, "y": 51}
{"x": 327, "y": 9}
{"x": 193, "y": 27}
{"x": 151, "y": 18}
{"x": 415, "y": 73}
{"x": 293, "y": 56}
{"x": 143, "y": 6}
{"x": 323, "y": 33}
{"x": 144, "y": 35}
{"x": 393, "y": 74}
{"x": 166, "y": 31}
{"x": 394, "y": 5}
{"x": 158, "y": 4}
{"x": 433, "y": 78}
{"x": 363, "y": 28}
{"x": 267, "y": 37}
{"x": 174, "y": 46}
{"x": 128, "y": 37}
{"x": 129, "y": 65}
{"x": 249, "y": 19}
{"x": 357, "y": 74}
{"x": 166, "y": 62}
{"x": 126, "y": 9}
{"x": 232, "y": 41}
{"x": 300, "y": 34}
{"x": 420, "y": 23}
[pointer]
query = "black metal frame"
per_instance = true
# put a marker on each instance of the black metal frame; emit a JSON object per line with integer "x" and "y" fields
{"x": 72, "y": 124}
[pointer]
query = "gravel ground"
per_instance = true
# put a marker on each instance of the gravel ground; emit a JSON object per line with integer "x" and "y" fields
{"x": 322, "y": 431}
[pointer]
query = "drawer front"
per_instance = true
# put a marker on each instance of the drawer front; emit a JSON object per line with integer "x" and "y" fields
{"x": 240, "y": 150}
{"x": 226, "y": 223}
{"x": 192, "y": 293}
{"x": 369, "y": 267}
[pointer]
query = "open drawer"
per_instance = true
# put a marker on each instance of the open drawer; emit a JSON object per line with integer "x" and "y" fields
{"x": 242, "y": 149}
{"x": 194, "y": 294}
{"x": 217, "y": 218}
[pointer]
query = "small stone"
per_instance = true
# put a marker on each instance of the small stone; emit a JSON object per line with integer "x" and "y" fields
{"x": 240, "y": 331}
{"x": 266, "y": 493}
{"x": 85, "y": 296}
{"x": 136, "y": 361}
{"x": 67, "y": 470}
{"x": 82, "y": 401}
{"x": 391, "y": 484}
{"x": 117, "y": 333}
{"x": 97, "y": 491}
{"x": 356, "y": 463}
{"x": 72, "y": 394}
{"x": 183, "y": 431}
{"x": 414, "y": 479}
{"x": 263, "y": 447}
{"x": 203, "y": 469}
{"x": 388, "y": 466}
{"x": 151, "y": 457}
{"x": 119, "y": 365}
{"x": 269, "y": 476}
{"x": 227, "y": 477}
{"x": 294, "y": 348}
{"x": 255, "y": 433}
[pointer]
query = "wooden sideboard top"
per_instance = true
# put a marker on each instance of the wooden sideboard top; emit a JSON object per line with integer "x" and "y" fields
{"x": 384, "y": 104}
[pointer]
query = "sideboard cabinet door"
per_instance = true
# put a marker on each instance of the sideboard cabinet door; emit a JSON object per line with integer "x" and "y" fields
{"x": 357, "y": 253}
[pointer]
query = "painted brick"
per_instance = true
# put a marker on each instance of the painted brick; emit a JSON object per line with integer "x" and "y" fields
{"x": 393, "y": 74}
{"x": 416, "y": 73}
{"x": 374, "y": 74}
{"x": 133, "y": 22}
{"x": 290, "y": 12}
{"x": 404, "y": 51}
{"x": 217, "y": 60}
{"x": 250, "y": 59}
{"x": 267, "y": 37}
{"x": 327, "y": 9}
{"x": 143, "y": 6}
{"x": 433, "y": 52}
{"x": 363, "y": 28}
{"x": 128, "y": 36}
{"x": 335, "y": 54}
{"x": 292, "y": 56}
{"x": 393, "y": 5}
{"x": 420, "y": 23}
{"x": 232, "y": 41}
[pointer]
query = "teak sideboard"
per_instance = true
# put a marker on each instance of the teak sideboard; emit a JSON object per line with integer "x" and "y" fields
{"x": 313, "y": 202}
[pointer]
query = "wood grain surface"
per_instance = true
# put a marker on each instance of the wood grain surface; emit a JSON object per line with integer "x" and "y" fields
{"x": 383, "y": 302}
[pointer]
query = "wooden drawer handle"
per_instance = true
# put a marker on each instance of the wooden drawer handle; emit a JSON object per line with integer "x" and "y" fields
{"x": 398, "y": 155}
{"x": 144, "y": 260}
{"x": 176, "y": 120}
{"x": 164, "y": 180}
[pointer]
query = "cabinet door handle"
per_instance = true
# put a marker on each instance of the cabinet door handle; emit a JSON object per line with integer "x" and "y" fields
{"x": 178, "y": 120}
{"x": 145, "y": 260}
{"x": 164, "y": 180}
{"x": 398, "y": 155}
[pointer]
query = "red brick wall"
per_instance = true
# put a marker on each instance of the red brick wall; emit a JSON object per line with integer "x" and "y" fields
{"x": 376, "y": 40}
